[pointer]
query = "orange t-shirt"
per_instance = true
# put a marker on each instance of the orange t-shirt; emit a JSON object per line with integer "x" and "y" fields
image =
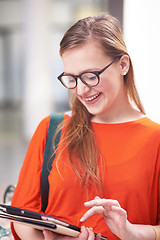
{"x": 132, "y": 166}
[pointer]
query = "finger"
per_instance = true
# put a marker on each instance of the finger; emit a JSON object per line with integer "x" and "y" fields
{"x": 119, "y": 210}
{"x": 91, "y": 235}
{"x": 98, "y": 236}
{"x": 91, "y": 212}
{"x": 84, "y": 234}
{"x": 97, "y": 197}
{"x": 106, "y": 203}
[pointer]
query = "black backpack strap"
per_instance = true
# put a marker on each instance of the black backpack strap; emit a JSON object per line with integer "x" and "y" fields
{"x": 55, "y": 120}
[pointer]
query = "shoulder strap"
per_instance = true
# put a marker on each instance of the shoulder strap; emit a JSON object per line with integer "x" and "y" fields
{"x": 55, "y": 120}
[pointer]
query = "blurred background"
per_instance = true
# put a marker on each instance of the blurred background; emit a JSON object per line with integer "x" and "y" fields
{"x": 30, "y": 32}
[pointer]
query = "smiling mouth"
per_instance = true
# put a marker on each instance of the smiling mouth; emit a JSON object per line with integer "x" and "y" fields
{"x": 89, "y": 99}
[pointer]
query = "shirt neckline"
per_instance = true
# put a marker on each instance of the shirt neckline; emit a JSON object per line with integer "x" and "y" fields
{"x": 121, "y": 123}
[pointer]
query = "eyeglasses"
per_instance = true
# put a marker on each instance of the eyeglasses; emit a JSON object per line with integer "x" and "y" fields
{"x": 90, "y": 79}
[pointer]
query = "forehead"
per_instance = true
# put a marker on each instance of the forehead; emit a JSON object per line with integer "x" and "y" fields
{"x": 83, "y": 58}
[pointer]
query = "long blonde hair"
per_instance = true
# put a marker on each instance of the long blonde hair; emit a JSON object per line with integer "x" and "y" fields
{"x": 81, "y": 145}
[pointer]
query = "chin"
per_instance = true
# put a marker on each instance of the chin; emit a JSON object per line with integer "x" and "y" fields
{"x": 94, "y": 113}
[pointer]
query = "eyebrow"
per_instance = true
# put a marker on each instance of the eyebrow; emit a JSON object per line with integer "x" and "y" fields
{"x": 85, "y": 71}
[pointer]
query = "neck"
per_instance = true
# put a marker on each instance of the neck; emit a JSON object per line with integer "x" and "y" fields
{"x": 125, "y": 113}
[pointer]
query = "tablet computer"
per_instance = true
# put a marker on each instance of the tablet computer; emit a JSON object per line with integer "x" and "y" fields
{"x": 39, "y": 221}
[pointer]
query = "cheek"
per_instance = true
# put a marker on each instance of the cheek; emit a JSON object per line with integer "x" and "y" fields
{"x": 106, "y": 86}
{"x": 110, "y": 84}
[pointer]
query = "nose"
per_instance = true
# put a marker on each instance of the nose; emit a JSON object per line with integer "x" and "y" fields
{"x": 81, "y": 87}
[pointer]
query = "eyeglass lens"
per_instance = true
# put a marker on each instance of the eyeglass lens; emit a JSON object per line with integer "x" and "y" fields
{"x": 90, "y": 79}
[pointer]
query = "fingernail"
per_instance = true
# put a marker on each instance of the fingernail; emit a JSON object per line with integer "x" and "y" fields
{"x": 82, "y": 228}
{"x": 97, "y": 197}
{"x": 82, "y": 219}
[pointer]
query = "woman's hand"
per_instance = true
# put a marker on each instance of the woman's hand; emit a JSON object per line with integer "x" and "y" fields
{"x": 86, "y": 234}
{"x": 115, "y": 216}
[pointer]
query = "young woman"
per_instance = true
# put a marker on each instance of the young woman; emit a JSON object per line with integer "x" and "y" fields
{"x": 105, "y": 177}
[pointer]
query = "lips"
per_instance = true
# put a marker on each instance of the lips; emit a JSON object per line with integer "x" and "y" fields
{"x": 92, "y": 98}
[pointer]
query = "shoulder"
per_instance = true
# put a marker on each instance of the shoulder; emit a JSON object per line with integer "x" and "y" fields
{"x": 150, "y": 124}
{"x": 41, "y": 130}
{"x": 151, "y": 130}
{"x": 44, "y": 122}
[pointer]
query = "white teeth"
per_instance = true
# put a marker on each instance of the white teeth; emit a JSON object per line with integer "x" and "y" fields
{"x": 91, "y": 98}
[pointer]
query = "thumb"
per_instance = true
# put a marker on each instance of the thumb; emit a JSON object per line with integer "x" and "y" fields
{"x": 48, "y": 235}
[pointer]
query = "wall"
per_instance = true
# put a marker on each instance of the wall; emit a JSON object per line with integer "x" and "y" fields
{"x": 142, "y": 36}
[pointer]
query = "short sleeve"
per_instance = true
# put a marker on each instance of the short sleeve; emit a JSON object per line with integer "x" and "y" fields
{"x": 27, "y": 192}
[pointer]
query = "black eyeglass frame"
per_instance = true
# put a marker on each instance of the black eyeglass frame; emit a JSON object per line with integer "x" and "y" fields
{"x": 97, "y": 73}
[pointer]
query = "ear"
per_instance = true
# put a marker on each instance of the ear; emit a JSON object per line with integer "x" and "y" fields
{"x": 124, "y": 64}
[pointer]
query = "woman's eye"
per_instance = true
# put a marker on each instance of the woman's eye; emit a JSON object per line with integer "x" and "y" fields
{"x": 89, "y": 77}
{"x": 71, "y": 80}
{"x": 92, "y": 77}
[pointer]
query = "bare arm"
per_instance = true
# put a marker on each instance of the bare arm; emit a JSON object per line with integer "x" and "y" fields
{"x": 25, "y": 232}
{"x": 116, "y": 219}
